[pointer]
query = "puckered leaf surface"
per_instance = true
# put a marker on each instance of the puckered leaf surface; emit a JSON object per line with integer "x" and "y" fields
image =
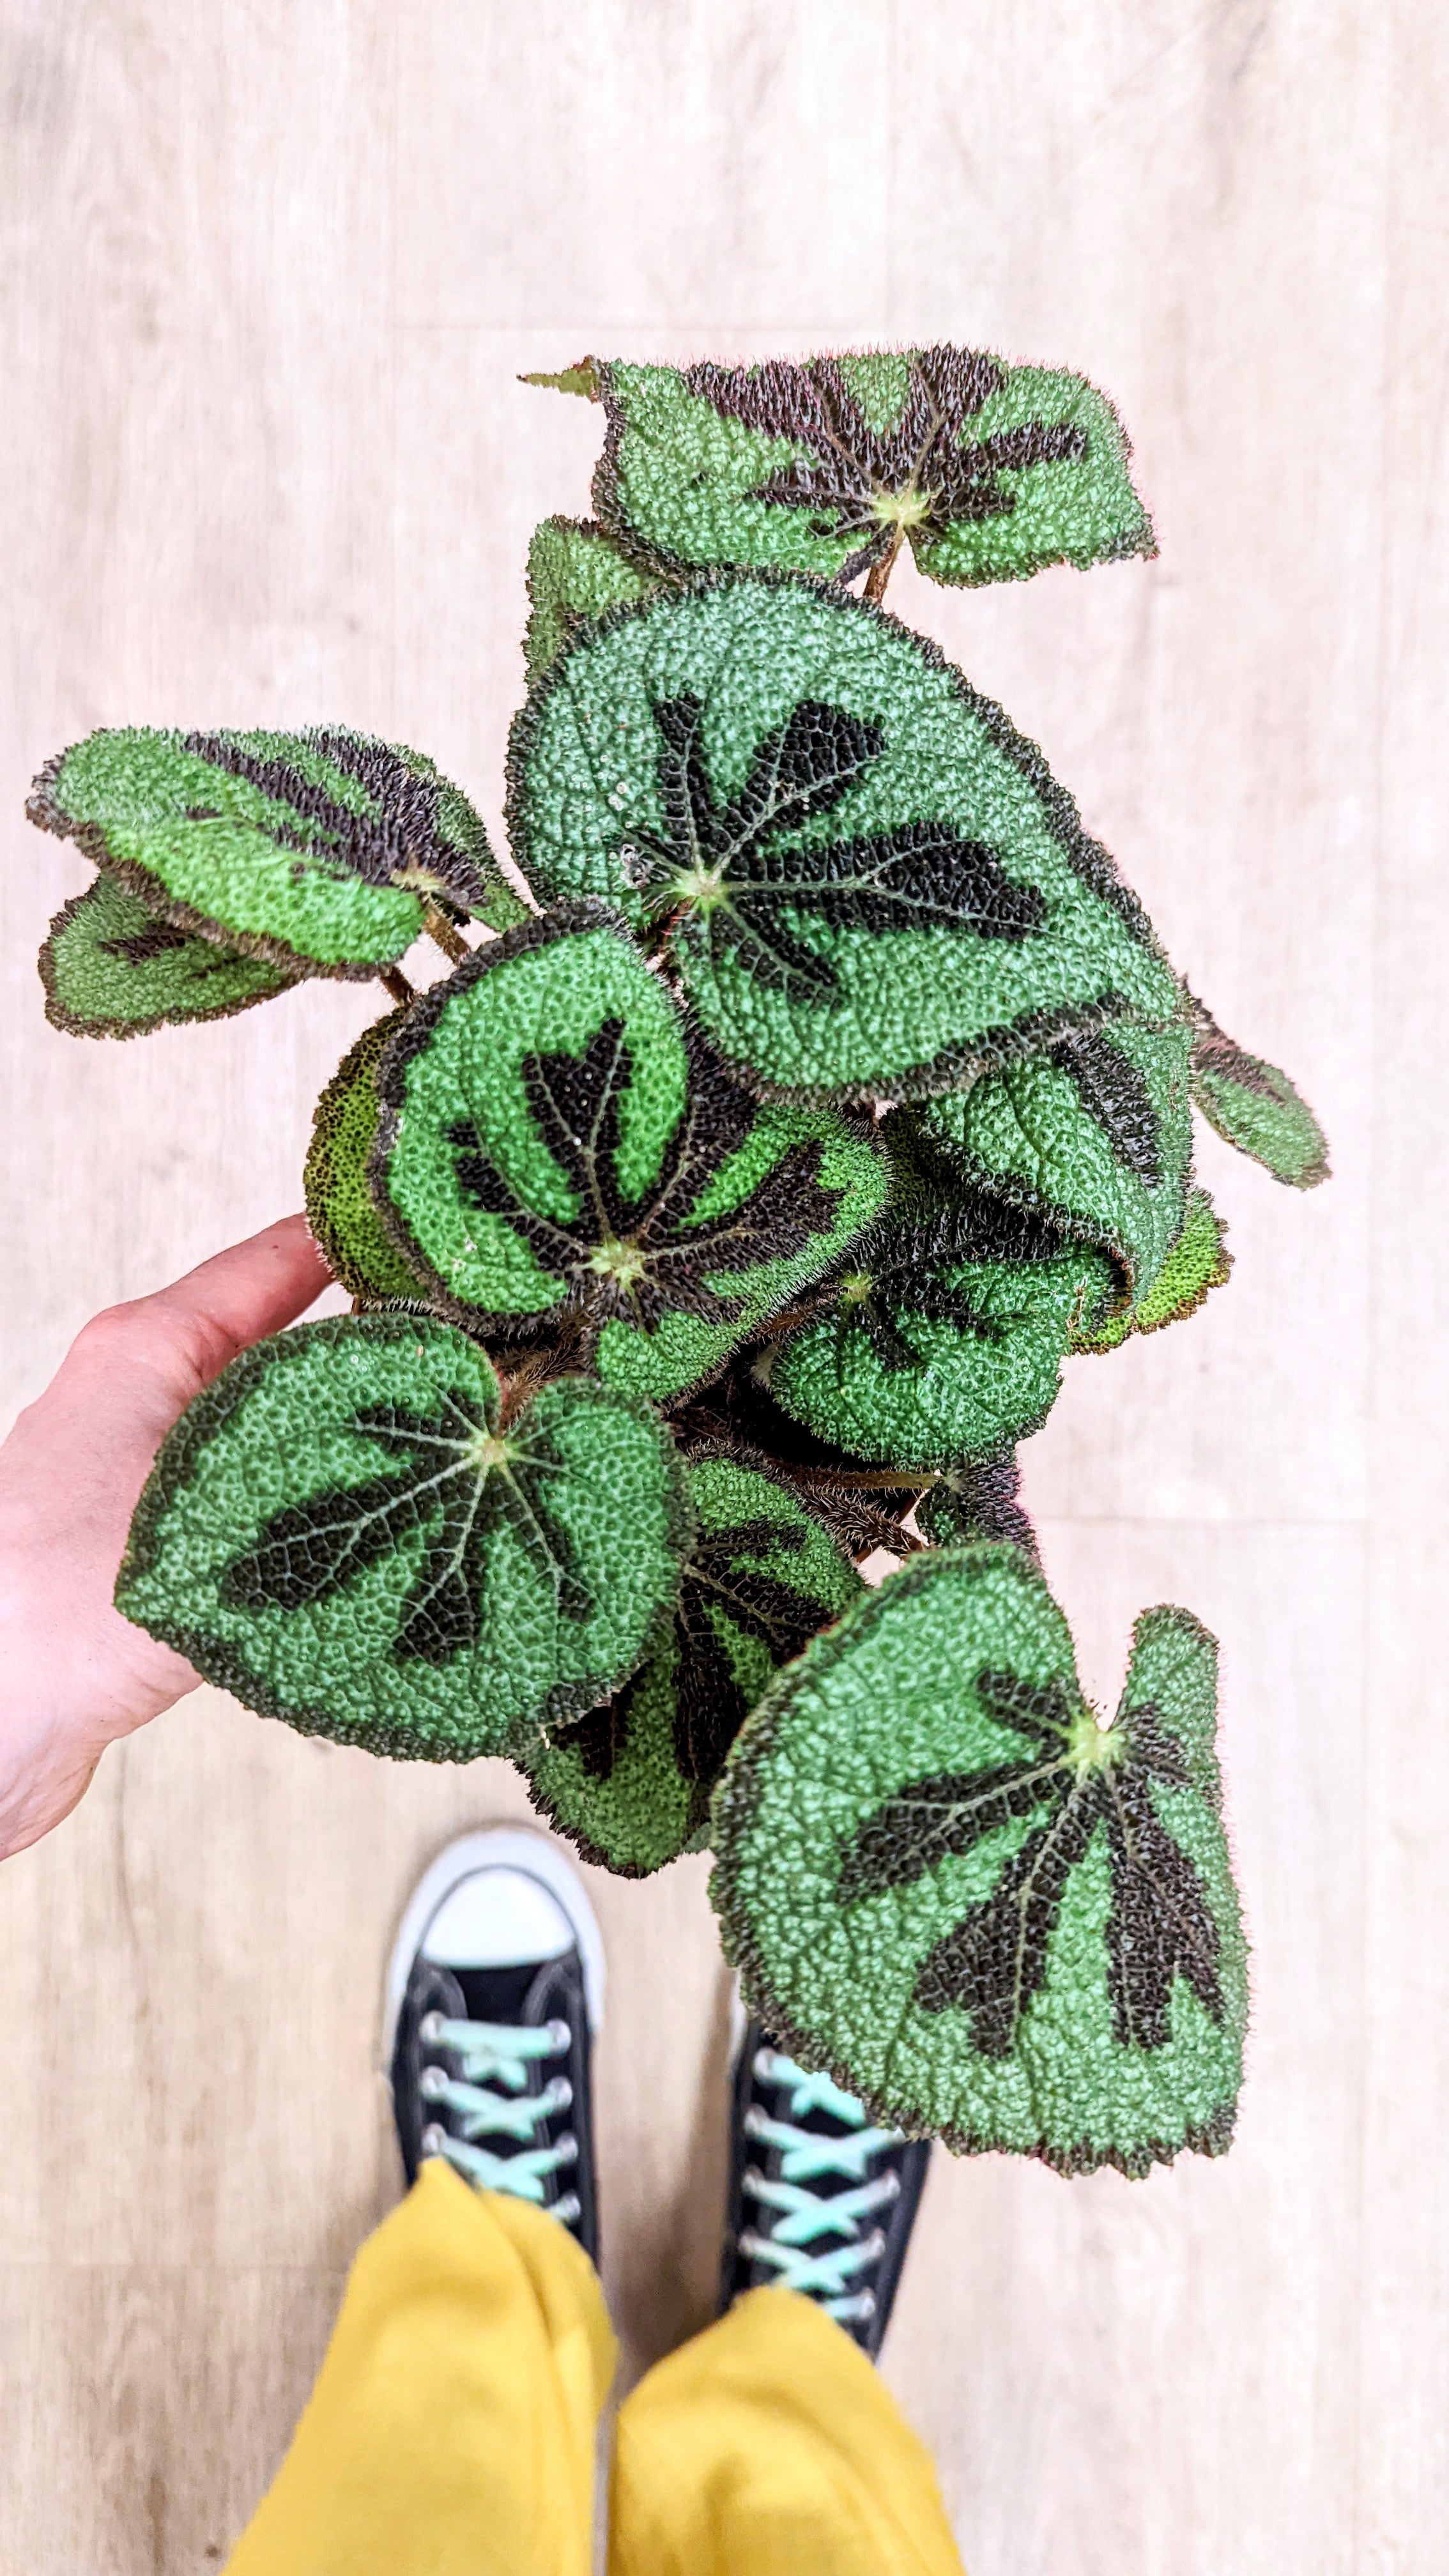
{"x": 947, "y": 1340}
{"x": 631, "y": 1782}
{"x": 354, "y": 1242}
{"x": 986, "y": 1915}
{"x": 872, "y": 885}
{"x": 317, "y": 852}
{"x": 343, "y": 1532}
{"x": 1093, "y": 1135}
{"x": 559, "y": 1152}
{"x": 112, "y": 969}
{"x": 1198, "y": 1262}
{"x": 978, "y": 1500}
{"x": 574, "y": 572}
{"x": 819, "y": 466}
{"x": 863, "y": 1507}
{"x": 1255, "y": 1107}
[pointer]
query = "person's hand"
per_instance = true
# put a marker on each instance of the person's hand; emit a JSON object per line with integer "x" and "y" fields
{"x": 74, "y": 1674}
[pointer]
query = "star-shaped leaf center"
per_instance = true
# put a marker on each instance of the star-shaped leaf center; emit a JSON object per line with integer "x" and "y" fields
{"x": 645, "y": 1251}
{"x": 1073, "y": 1781}
{"x": 864, "y": 480}
{"x": 736, "y": 865}
{"x": 452, "y": 1483}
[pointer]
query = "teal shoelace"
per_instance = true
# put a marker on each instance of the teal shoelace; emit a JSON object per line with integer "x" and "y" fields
{"x": 804, "y": 2214}
{"x": 490, "y": 2054}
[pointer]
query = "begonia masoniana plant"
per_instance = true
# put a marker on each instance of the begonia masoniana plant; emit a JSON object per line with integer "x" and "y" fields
{"x": 725, "y": 1215}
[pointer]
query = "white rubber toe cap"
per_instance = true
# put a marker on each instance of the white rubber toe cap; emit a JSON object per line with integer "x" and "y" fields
{"x": 497, "y": 1918}
{"x": 497, "y": 1899}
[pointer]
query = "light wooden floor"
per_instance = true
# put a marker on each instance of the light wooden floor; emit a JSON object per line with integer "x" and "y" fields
{"x": 270, "y": 270}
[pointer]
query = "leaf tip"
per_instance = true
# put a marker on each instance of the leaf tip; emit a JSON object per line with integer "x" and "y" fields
{"x": 583, "y": 378}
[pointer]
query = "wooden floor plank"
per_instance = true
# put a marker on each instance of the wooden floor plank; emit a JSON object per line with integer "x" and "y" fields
{"x": 271, "y": 274}
{"x": 1405, "y": 2182}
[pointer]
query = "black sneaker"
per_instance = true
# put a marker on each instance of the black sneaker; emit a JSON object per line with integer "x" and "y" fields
{"x": 494, "y": 1994}
{"x": 806, "y": 2167}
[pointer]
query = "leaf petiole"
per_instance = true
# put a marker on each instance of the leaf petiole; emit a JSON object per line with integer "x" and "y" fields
{"x": 881, "y": 570}
{"x": 439, "y": 929}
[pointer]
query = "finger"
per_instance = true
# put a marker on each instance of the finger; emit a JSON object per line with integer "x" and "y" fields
{"x": 153, "y": 1355}
{"x": 239, "y": 1296}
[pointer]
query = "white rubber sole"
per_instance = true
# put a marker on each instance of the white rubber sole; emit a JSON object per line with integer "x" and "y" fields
{"x": 494, "y": 1847}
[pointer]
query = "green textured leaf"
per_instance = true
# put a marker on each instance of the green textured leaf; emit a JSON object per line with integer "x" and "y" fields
{"x": 931, "y": 1388}
{"x": 631, "y": 1782}
{"x": 1043, "y": 475}
{"x": 978, "y": 1500}
{"x": 948, "y": 1338}
{"x": 354, "y": 1242}
{"x": 944, "y": 1882}
{"x": 344, "y": 1532}
{"x": 1093, "y": 1135}
{"x": 574, "y": 572}
{"x": 822, "y": 466}
{"x": 317, "y": 852}
{"x": 1255, "y": 1107}
{"x": 1198, "y": 1262}
{"x": 559, "y": 1152}
{"x": 872, "y": 884}
{"x": 111, "y": 969}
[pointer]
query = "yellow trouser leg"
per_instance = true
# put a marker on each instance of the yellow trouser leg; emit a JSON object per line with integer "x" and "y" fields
{"x": 451, "y": 2432}
{"x": 769, "y": 2447}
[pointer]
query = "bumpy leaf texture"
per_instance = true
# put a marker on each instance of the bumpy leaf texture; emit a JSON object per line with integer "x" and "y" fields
{"x": 1255, "y": 1107}
{"x": 1092, "y": 1137}
{"x": 316, "y": 852}
{"x": 870, "y": 885}
{"x": 112, "y": 969}
{"x": 824, "y": 465}
{"x": 345, "y": 1533}
{"x": 947, "y": 1339}
{"x": 944, "y": 1881}
{"x": 574, "y": 572}
{"x": 631, "y": 1782}
{"x": 560, "y": 1154}
{"x": 354, "y": 1242}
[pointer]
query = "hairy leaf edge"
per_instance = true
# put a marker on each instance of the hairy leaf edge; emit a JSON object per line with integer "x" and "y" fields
{"x": 540, "y": 931}
{"x": 74, "y": 1024}
{"x": 90, "y": 838}
{"x": 220, "y": 1664}
{"x": 731, "y": 1812}
{"x": 695, "y": 1453}
{"x": 649, "y": 556}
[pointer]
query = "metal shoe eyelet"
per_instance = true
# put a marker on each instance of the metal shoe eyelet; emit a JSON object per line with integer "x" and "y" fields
{"x": 560, "y": 2037}
{"x": 432, "y": 2082}
{"x": 567, "y": 2209}
{"x": 568, "y": 2149}
{"x": 430, "y": 2028}
{"x": 433, "y": 2140}
{"x": 877, "y": 2244}
{"x": 561, "y": 2093}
